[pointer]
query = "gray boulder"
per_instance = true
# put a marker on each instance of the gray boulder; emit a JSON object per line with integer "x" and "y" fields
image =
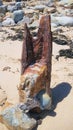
{"x": 14, "y": 118}
{"x": 8, "y": 21}
{"x": 18, "y": 15}
{"x": 3, "y": 9}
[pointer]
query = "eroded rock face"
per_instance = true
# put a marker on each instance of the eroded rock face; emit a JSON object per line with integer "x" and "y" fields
{"x": 15, "y": 119}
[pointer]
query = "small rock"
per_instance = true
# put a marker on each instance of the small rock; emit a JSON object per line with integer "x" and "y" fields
{"x": 30, "y": 12}
{"x": 6, "y": 68}
{"x": 1, "y": 3}
{"x": 8, "y": 21}
{"x": 18, "y": 5}
{"x": 24, "y": 20}
{"x": 40, "y": 7}
{"x": 0, "y": 24}
{"x": 11, "y": 8}
{"x": 18, "y": 15}
{"x": 54, "y": 20}
{"x": 66, "y": 3}
{"x": 54, "y": 25}
{"x": 15, "y": 119}
{"x": 44, "y": 100}
{"x": 65, "y": 20}
{"x": 34, "y": 25}
{"x": 3, "y": 9}
{"x": 50, "y": 3}
{"x": 50, "y": 10}
{"x": 3, "y": 97}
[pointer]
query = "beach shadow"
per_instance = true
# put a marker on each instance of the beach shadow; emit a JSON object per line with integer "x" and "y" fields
{"x": 59, "y": 92}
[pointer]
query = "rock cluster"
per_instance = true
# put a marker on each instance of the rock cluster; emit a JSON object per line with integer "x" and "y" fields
{"x": 20, "y": 12}
{"x": 11, "y": 14}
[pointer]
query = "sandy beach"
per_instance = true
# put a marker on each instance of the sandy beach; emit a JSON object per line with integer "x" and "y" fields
{"x": 61, "y": 118}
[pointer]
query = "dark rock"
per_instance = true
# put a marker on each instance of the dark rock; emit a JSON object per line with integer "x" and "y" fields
{"x": 18, "y": 15}
{"x": 18, "y": 0}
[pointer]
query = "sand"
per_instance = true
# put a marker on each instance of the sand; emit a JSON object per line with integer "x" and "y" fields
{"x": 61, "y": 82}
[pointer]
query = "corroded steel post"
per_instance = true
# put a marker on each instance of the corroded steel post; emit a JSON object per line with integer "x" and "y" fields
{"x": 43, "y": 48}
{"x": 36, "y": 65}
{"x": 27, "y": 50}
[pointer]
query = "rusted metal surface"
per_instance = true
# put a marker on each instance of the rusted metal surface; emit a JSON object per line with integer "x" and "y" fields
{"x": 27, "y": 52}
{"x": 45, "y": 46}
{"x": 36, "y": 62}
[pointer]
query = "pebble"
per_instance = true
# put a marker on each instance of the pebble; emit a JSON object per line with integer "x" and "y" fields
{"x": 25, "y": 20}
{"x": 67, "y": 1}
{"x": 0, "y": 24}
{"x": 34, "y": 25}
{"x": 40, "y": 7}
{"x": 18, "y": 15}
{"x": 3, "y": 9}
{"x": 50, "y": 3}
{"x": 18, "y": 5}
{"x": 11, "y": 8}
{"x": 8, "y": 21}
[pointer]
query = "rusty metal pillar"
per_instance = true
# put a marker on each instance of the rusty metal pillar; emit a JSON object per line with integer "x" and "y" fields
{"x": 27, "y": 50}
{"x": 43, "y": 46}
{"x": 36, "y": 65}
